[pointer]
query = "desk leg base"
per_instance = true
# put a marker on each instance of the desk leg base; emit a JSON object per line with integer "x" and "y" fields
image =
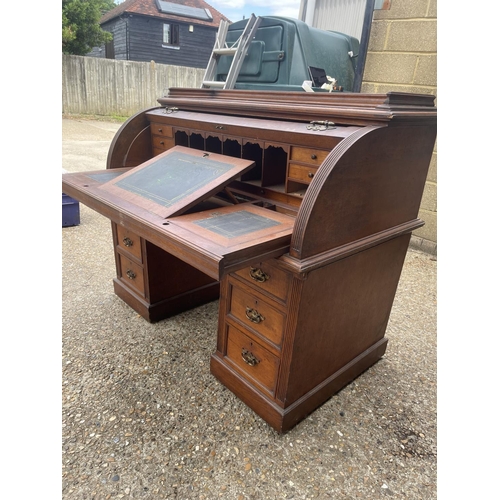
{"x": 167, "y": 307}
{"x": 283, "y": 419}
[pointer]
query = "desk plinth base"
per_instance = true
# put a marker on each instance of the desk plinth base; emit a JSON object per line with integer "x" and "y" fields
{"x": 167, "y": 307}
{"x": 283, "y": 419}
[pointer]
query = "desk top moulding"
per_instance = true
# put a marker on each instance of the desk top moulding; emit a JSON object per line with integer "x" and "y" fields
{"x": 342, "y": 108}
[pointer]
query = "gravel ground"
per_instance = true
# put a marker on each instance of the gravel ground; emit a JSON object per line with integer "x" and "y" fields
{"x": 142, "y": 417}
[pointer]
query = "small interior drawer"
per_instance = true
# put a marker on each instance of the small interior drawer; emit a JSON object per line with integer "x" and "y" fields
{"x": 308, "y": 155}
{"x": 131, "y": 274}
{"x": 301, "y": 173}
{"x": 129, "y": 241}
{"x": 257, "y": 314}
{"x": 268, "y": 277}
{"x": 163, "y": 143}
{"x": 254, "y": 361}
{"x": 160, "y": 129}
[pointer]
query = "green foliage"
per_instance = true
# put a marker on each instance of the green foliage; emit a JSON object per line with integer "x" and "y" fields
{"x": 80, "y": 25}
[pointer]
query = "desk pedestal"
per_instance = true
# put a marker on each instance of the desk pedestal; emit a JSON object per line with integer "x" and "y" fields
{"x": 287, "y": 344}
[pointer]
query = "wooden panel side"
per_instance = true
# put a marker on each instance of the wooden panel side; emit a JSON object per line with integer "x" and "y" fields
{"x": 344, "y": 310}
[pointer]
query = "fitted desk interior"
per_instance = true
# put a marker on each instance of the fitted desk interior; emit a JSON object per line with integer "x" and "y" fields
{"x": 294, "y": 210}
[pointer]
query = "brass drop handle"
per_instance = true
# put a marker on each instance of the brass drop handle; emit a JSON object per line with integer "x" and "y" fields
{"x": 313, "y": 157}
{"x": 310, "y": 175}
{"x": 249, "y": 358}
{"x": 128, "y": 242}
{"x": 253, "y": 315}
{"x": 160, "y": 130}
{"x": 258, "y": 274}
{"x": 130, "y": 274}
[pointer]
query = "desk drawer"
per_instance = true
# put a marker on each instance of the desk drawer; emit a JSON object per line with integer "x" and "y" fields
{"x": 129, "y": 242}
{"x": 131, "y": 274}
{"x": 163, "y": 143}
{"x": 308, "y": 155}
{"x": 160, "y": 129}
{"x": 268, "y": 277}
{"x": 254, "y": 361}
{"x": 257, "y": 314}
{"x": 301, "y": 173}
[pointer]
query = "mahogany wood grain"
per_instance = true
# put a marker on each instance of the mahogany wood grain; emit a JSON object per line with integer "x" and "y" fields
{"x": 346, "y": 108}
{"x": 169, "y": 276}
{"x": 267, "y": 278}
{"x": 161, "y": 144}
{"x": 255, "y": 313}
{"x": 260, "y": 366}
{"x": 344, "y": 307}
{"x": 283, "y": 419}
{"x": 164, "y": 285}
{"x": 129, "y": 242}
{"x": 131, "y": 273}
{"x": 253, "y": 129}
{"x": 181, "y": 236}
{"x": 372, "y": 181}
{"x": 257, "y": 400}
{"x": 310, "y": 156}
{"x": 331, "y": 206}
{"x": 301, "y": 173}
{"x": 156, "y": 311}
{"x": 304, "y": 406}
{"x": 131, "y": 145}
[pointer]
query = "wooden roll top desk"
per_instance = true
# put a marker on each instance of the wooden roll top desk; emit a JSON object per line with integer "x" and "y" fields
{"x": 294, "y": 209}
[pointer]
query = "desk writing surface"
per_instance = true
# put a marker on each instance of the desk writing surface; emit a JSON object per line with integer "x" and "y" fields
{"x": 236, "y": 224}
{"x": 228, "y": 238}
{"x": 174, "y": 181}
{"x": 105, "y": 176}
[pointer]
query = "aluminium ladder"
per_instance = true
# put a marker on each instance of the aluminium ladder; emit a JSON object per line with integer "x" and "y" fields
{"x": 238, "y": 50}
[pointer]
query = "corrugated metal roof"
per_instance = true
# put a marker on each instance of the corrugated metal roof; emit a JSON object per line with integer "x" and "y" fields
{"x": 345, "y": 16}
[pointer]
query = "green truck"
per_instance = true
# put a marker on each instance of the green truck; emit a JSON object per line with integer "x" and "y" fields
{"x": 286, "y": 52}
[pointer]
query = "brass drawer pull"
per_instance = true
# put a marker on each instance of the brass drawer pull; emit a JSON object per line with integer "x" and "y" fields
{"x": 310, "y": 175}
{"x": 249, "y": 358}
{"x": 160, "y": 130}
{"x": 258, "y": 275}
{"x": 313, "y": 157}
{"x": 128, "y": 242}
{"x": 130, "y": 274}
{"x": 253, "y": 315}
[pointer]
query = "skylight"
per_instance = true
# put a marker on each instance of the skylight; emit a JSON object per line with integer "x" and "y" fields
{"x": 184, "y": 11}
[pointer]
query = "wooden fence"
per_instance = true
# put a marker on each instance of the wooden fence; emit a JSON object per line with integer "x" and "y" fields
{"x": 108, "y": 87}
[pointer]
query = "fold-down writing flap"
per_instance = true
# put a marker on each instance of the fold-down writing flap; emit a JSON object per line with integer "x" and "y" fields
{"x": 172, "y": 182}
